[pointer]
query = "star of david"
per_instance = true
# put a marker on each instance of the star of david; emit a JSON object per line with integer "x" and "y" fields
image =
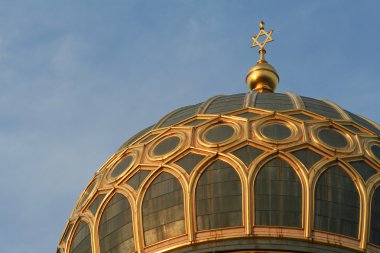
{"x": 257, "y": 43}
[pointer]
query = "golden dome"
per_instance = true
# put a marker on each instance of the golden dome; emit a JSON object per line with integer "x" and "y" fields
{"x": 250, "y": 172}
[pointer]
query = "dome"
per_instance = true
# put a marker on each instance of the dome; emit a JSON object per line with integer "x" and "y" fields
{"x": 250, "y": 172}
{"x": 244, "y": 172}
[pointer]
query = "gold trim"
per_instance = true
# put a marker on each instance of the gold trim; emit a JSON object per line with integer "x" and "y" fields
{"x": 73, "y": 230}
{"x": 201, "y": 138}
{"x": 349, "y": 148}
{"x": 359, "y": 185}
{"x": 258, "y": 126}
{"x": 368, "y": 149}
{"x": 336, "y": 240}
{"x": 256, "y": 167}
{"x": 131, "y": 200}
{"x": 260, "y": 113}
{"x": 141, "y": 195}
{"x": 205, "y": 117}
{"x": 134, "y": 153}
{"x": 315, "y": 118}
{"x": 204, "y": 106}
{"x": 247, "y": 99}
{"x": 194, "y": 178}
{"x": 182, "y": 140}
{"x": 338, "y": 109}
{"x": 371, "y": 122}
{"x": 167, "y": 116}
{"x": 253, "y": 101}
{"x": 373, "y": 184}
{"x": 86, "y": 196}
{"x": 191, "y": 143}
{"x": 297, "y": 101}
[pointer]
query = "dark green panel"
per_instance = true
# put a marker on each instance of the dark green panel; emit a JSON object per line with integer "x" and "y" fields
{"x": 278, "y": 195}
{"x": 68, "y": 230}
{"x": 218, "y": 197}
{"x": 364, "y": 169}
{"x": 375, "y": 218}
{"x": 359, "y": 120}
{"x": 189, "y": 161}
{"x": 149, "y": 138}
{"x": 138, "y": 178}
{"x": 353, "y": 128}
{"x": 273, "y": 101}
{"x": 225, "y": 104}
{"x": 376, "y": 151}
{"x": 180, "y": 114}
{"x": 81, "y": 242}
{"x": 195, "y": 122}
{"x": 307, "y": 157}
{"x": 115, "y": 227}
{"x": 163, "y": 209}
{"x": 167, "y": 145}
{"x": 218, "y": 134}
{"x": 247, "y": 115}
{"x": 247, "y": 154}
{"x": 320, "y": 107}
{"x": 95, "y": 204}
{"x": 136, "y": 137}
{"x": 336, "y": 203}
{"x": 332, "y": 138}
{"x": 88, "y": 191}
{"x": 277, "y": 131}
{"x": 301, "y": 116}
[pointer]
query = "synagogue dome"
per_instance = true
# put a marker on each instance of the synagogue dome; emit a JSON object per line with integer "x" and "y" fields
{"x": 250, "y": 172}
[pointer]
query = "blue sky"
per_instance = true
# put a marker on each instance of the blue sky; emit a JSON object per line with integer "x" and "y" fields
{"x": 78, "y": 78}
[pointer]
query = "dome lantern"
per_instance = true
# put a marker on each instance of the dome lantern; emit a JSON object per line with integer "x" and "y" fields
{"x": 262, "y": 77}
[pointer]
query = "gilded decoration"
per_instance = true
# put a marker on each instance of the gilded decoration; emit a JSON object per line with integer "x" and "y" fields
{"x": 169, "y": 144}
{"x": 246, "y": 132}
{"x": 262, "y": 77}
{"x": 133, "y": 154}
{"x": 205, "y": 133}
{"x": 259, "y": 126}
{"x": 257, "y": 170}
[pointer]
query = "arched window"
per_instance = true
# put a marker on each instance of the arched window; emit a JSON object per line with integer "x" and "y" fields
{"x": 278, "y": 195}
{"x": 375, "y": 218}
{"x": 81, "y": 242}
{"x": 336, "y": 203}
{"x": 115, "y": 227}
{"x": 163, "y": 210}
{"x": 218, "y": 197}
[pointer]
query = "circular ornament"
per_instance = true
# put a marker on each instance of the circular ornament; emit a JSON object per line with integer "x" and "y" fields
{"x": 123, "y": 165}
{"x": 276, "y": 131}
{"x": 219, "y": 134}
{"x": 373, "y": 149}
{"x": 166, "y": 146}
{"x": 90, "y": 189}
{"x": 333, "y": 139}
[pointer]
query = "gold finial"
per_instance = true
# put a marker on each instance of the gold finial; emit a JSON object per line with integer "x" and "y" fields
{"x": 262, "y": 25}
{"x": 261, "y": 44}
{"x": 262, "y": 77}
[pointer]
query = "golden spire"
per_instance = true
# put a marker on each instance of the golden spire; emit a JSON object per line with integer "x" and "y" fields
{"x": 262, "y": 77}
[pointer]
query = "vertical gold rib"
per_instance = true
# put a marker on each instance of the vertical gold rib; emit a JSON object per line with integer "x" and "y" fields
{"x": 296, "y": 100}
{"x": 338, "y": 109}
